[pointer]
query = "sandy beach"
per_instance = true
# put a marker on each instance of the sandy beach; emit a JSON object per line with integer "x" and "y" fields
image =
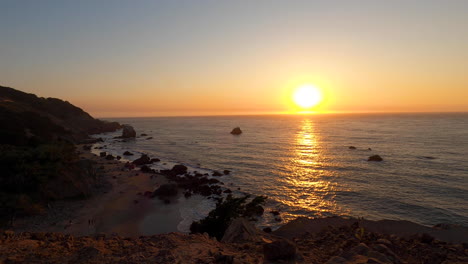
{"x": 117, "y": 205}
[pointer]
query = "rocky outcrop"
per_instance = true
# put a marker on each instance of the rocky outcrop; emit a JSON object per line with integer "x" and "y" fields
{"x": 26, "y": 117}
{"x": 236, "y": 131}
{"x": 240, "y": 231}
{"x": 128, "y": 131}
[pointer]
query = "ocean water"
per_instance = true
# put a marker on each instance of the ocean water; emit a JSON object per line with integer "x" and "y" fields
{"x": 304, "y": 165}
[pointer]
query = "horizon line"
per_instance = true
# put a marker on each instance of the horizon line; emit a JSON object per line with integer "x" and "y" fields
{"x": 304, "y": 113}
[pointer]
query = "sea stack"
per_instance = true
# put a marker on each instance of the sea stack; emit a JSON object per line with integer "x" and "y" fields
{"x": 128, "y": 131}
{"x": 236, "y": 131}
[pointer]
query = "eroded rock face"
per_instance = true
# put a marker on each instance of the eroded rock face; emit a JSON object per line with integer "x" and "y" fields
{"x": 236, "y": 131}
{"x": 128, "y": 131}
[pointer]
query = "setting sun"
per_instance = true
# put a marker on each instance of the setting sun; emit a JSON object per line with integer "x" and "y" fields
{"x": 307, "y": 96}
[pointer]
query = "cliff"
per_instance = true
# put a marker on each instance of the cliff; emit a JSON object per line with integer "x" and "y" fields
{"x": 28, "y": 119}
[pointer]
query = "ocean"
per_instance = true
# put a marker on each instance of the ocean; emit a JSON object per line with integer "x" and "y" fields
{"x": 304, "y": 165}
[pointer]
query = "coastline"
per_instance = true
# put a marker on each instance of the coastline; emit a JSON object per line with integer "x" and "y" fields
{"x": 117, "y": 221}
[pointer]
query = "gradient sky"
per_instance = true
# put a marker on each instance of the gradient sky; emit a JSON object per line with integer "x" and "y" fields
{"x": 147, "y": 58}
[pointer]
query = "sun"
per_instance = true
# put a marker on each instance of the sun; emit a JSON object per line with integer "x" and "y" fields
{"x": 307, "y": 96}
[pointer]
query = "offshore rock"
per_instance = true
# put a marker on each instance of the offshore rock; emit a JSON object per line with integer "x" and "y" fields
{"x": 236, "y": 131}
{"x": 375, "y": 158}
{"x": 128, "y": 131}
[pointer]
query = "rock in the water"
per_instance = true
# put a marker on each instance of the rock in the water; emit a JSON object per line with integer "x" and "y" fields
{"x": 127, "y": 153}
{"x": 226, "y": 172}
{"x": 236, "y": 131}
{"x": 128, "y": 131}
{"x": 280, "y": 249}
{"x": 102, "y": 154}
{"x": 217, "y": 173}
{"x": 240, "y": 230}
{"x": 155, "y": 160}
{"x": 166, "y": 190}
{"x": 179, "y": 169}
{"x": 144, "y": 159}
{"x": 375, "y": 158}
{"x": 110, "y": 157}
{"x": 145, "y": 168}
{"x": 352, "y": 147}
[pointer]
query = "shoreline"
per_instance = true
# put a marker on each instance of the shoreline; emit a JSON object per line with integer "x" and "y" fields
{"x": 116, "y": 235}
{"x": 117, "y": 205}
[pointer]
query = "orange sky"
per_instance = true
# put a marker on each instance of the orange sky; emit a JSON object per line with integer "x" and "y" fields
{"x": 209, "y": 58}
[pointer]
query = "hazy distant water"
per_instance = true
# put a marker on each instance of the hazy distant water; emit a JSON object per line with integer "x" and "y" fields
{"x": 303, "y": 163}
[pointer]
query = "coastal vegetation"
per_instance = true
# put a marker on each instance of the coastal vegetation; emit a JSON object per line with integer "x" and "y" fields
{"x": 219, "y": 219}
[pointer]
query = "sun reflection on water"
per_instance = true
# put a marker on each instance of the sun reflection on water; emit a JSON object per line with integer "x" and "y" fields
{"x": 310, "y": 187}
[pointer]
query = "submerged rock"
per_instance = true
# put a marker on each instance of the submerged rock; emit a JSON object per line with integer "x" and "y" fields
{"x": 217, "y": 173}
{"x": 375, "y": 158}
{"x": 236, "y": 131}
{"x": 352, "y": 147}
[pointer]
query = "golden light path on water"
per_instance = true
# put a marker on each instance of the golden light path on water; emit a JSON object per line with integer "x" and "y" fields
{"x": 310, "y": 186}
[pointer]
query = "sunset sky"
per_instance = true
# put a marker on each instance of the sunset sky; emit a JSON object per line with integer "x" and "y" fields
{"x": 150, "y": 58}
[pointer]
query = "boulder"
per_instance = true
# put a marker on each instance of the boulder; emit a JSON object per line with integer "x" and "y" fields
{"x": 146, "y": 169}
{"x": 282, "y": 249}
{"x": 144, "y": 159}
{"x": 179, "y": 169}
{"x": 352, "y": 147}
{"x": 127, "y": 153}
{"x": 217, "y": 173}
{"x": 102, "y": 154}
{"x": 239, "y": 231}
{"x": 110, "y": 157}
{"x": 128, "y": 131}
{"x": 226, "y": 172}
{"x": 153, "y": 160}
{"x": 166, "y": 190}
{"x": 236, "y": 131}
{"x": 375, "y": 158}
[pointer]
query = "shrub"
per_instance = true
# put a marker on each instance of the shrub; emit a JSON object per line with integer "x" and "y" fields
{"x": 219, "y": 219}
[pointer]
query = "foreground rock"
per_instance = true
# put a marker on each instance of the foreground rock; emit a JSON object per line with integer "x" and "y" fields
{"x": 236, "y": 131}
{"x": 315, "y": 241}
{"x": 282, "y": 249}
